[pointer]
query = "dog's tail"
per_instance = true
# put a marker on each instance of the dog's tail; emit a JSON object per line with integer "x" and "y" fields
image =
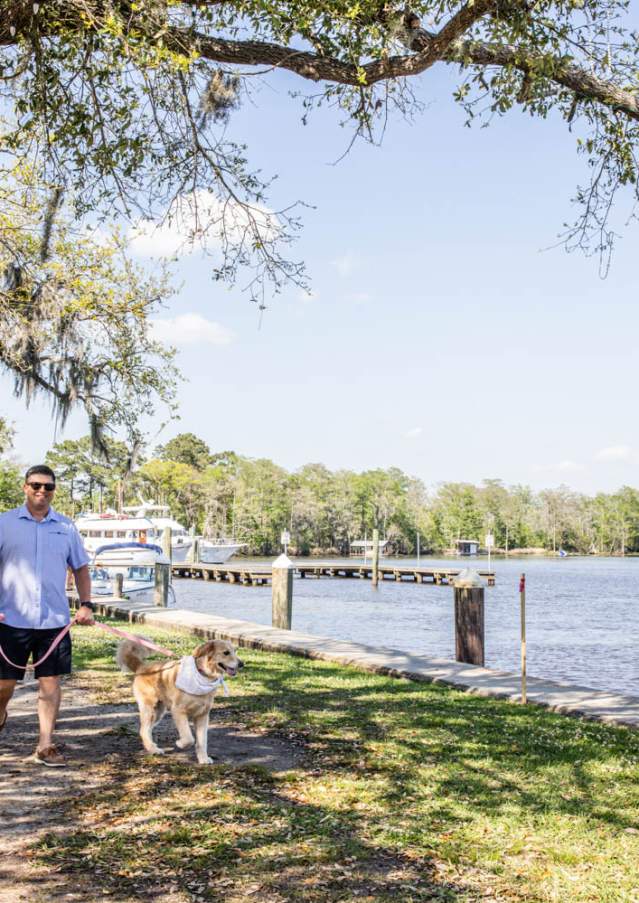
{"x": 131, "y": 655}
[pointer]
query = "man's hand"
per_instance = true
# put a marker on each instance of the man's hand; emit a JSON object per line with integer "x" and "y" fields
{"x": 84, "y": 616}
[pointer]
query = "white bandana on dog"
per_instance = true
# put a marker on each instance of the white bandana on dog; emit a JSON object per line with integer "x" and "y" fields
{"x": 190, "y": 680}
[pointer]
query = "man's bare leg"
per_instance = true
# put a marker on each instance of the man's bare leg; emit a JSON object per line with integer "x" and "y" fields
{"x": 48, "y": 705}
{"x": 6, "y": 692}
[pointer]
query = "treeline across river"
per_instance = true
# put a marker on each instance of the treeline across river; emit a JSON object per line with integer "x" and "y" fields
{"x": 225, "y": 494}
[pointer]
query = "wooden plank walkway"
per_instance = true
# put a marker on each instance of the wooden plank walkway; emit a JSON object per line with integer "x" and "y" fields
{"x": 250, "y": 574}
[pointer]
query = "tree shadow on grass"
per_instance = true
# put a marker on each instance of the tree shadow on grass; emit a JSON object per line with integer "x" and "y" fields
{"x": 155, "y": 826}
{"x": 402, "y": 765}
{"x": 495, "y": 753}
{"x": 215, "y": 830}
{"x": 143, "y": 828}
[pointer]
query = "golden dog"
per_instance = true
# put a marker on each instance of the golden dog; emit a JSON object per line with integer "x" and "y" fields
{"x": 155, "y": 691}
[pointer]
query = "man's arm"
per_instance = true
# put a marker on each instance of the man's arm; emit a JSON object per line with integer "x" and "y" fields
{"x": 83, "y": 586}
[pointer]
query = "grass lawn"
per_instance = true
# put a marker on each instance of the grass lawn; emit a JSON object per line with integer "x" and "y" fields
{"x": 402, "y": 791}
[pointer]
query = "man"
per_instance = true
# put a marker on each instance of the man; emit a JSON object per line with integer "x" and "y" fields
{"x": 37, "y": 545}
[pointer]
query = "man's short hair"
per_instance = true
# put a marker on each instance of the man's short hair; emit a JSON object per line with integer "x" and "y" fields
{"x": 39, "y": 468}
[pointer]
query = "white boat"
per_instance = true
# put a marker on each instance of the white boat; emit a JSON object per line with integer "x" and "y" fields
{"x": 364, "y": 547}
{"x": 100, "y": 529}
{"x": 135, "y": 561}
{"x": 217, "y": 551}
{"x": 211, "y": 551}
{"x": 160, "y": 517}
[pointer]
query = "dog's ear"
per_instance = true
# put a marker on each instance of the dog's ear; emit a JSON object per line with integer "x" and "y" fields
{"x": 204, "y": 649}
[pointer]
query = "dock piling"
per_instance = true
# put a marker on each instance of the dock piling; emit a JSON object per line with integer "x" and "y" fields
{"x": 162, "y": 581}
{"x": 375, "y": 558}
{"x": 118, "y": 582}
{"x": 166, "y": 543}
{"x": 282, "y": 589}
{"x": 469, "y": 618}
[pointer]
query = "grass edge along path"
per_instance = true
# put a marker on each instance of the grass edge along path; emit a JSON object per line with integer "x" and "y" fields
{"x": 405, "y": 791}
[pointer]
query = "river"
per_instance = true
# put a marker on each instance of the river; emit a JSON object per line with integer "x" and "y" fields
{"x": 582, "y": 615}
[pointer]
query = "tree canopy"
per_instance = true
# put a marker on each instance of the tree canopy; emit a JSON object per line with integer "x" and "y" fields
{"x": 80, "y": 468}
{"x": 187, "y": 449}
{"x": 74, "y": 313}
{"x": 10, "y": 482}
{"x": 253, "y": 500}
{"x": 6, "y": 435}
{"x": 130, "y": 99}
{"x": 121, "y": 108}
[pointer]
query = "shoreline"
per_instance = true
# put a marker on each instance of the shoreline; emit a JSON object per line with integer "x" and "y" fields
{"x": 557, "y": 696}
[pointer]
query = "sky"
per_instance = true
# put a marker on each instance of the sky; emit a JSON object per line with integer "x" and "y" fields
{"x": 444, "y": 334}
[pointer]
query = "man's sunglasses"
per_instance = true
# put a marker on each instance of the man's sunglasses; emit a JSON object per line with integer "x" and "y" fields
{"x": 48, "y": 486}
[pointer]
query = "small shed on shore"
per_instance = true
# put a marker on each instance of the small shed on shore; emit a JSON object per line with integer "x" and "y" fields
{"x": 467, "y": 546}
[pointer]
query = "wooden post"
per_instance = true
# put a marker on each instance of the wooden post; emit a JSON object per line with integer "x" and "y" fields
{"x": 118, "y": 581}
{"x": 162, "y": 581}
{"x": 522, "y": 605}
{"x": 375, "y": 558}
{"x": 166, "y": 543}
{"x": 282, "y": 590}
{"x": 195, "y": 551}
{"x": 469, "y": 618}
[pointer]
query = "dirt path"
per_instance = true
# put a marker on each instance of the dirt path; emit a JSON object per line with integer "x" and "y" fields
{"x": 33, "y": 797}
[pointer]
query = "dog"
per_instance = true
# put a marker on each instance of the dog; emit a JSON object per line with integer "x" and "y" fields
{"x": 157, "y": 688}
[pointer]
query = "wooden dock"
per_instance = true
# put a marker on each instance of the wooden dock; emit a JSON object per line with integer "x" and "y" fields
{"x": 248, "y": 574}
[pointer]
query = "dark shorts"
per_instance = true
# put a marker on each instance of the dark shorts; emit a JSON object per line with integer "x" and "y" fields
{"x": 21, "y": 643}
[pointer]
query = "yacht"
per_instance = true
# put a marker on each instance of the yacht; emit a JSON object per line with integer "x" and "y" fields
{"x": 135, "y": 561}
{"x": 160, "y": 517}
{"x": 99, "y": 529}
{"x": 211, "y": 551}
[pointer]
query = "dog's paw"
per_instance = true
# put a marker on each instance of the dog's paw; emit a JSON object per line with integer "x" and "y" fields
{"x": 184, "y": 744}
{"x": 207, "y": 761}
{"x": 156, "y": 751}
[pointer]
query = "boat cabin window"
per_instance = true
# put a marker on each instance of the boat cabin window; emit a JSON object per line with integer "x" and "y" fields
{"x": 121, "y": 534}
{"x": 141, "y": 574}
{"x": 99, "y": 574}
{"x": 108, "y": 534}
{"x": 95, "y": 533}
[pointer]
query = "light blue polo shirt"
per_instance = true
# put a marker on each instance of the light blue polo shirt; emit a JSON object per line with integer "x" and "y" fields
{"x": 34, "y": 557}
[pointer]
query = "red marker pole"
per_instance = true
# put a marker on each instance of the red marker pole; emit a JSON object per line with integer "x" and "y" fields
{"x": 522, "y": 607}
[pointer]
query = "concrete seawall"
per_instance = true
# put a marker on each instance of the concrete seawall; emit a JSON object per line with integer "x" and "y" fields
{"x": 564, "y": 698}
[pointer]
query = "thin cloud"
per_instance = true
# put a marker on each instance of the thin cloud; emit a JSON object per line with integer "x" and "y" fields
{"x": 308, "y": 297}
{"x": 358, "y": 297}
{"x": 414, "y": 432}
{"x": 191, "y": 329}
{"x": 614, "y": 453}
{"x": 565, "y": 466}
{"x": 346, "y": 264}
{"x": 569, "y": 466}
{"x": 200, "y": 221}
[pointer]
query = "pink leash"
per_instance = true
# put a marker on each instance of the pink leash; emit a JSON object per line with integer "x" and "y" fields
{"x": 114, "y": 630}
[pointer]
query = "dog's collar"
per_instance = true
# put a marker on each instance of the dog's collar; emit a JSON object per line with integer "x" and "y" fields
{"x": 191, "y": 680}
